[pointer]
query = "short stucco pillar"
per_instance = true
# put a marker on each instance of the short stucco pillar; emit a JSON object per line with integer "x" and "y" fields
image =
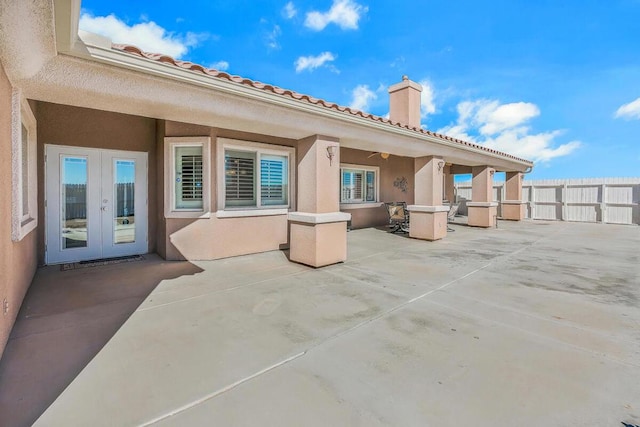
{"x": 428, "y": 215}
{"x": 482, "y": 210}
{"x": 449, "y": 186}
{"x": 318, "y": 230}
{"x": 513, "y": 207}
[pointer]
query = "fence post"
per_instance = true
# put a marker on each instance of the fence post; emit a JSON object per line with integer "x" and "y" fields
{"x": 563, "y": 200}
{"x": 603, "y": 204}
{"x": 532, "y": 201}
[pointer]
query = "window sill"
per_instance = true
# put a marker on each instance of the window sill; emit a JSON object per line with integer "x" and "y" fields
{"x": 244, "y": 213}
{"x": 349, "y": 206}
{"x": 187, "y": 214}
{"x": 24, "y": 229}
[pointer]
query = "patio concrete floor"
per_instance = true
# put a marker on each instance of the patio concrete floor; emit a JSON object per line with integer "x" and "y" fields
{"x": 532, "y": 324}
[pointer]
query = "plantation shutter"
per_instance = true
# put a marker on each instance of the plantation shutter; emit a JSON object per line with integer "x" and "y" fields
{"x": 189, "y": 175}
{"x": 273, "y": 180}
{"x": 352, "y": 185}
{"x": 240, "y": 178}
{"x": 370, "y": 187}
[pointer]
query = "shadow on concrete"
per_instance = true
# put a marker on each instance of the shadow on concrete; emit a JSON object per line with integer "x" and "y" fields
{"x": 66, "y": 318}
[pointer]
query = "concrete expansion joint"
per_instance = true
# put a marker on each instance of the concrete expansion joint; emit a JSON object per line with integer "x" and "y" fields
{"x": 346, "y": 332}
{"x": 537, "y": 335}
{"x": 541, "y": 318}
{"x": 222, "y": 390}
{"x": 215, "y": 292}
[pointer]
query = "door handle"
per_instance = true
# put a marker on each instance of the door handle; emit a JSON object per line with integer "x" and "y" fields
{"x": 104, "y": 208}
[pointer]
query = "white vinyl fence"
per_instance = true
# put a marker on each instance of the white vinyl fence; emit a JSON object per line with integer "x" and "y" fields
{"x": 607, "y": 200}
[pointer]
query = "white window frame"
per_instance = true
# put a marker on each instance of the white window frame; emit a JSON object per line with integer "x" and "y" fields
{"x": 224, "y": 144}
{"x": 22, "y": 223}
{"x": 170, "y": 145}
{"x": 350, "y": 204}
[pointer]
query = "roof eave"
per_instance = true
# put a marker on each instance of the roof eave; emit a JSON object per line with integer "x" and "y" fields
{"x": 100, "y": 50}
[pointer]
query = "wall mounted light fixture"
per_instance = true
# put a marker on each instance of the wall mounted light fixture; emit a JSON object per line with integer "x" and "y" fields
{"x": 440, "y": 165}
{"x": 331, "y": 152}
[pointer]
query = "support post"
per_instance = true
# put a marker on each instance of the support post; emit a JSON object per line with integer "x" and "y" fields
{"x": 513, "y": 207}
{"x": 428, "y": 215}
{"x": 482, "y": 209}
{"x": 318, "y": 230}
{"x": 449, "y": 189}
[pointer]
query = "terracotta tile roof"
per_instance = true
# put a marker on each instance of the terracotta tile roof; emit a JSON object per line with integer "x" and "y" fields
{"x": 165, "y": 59}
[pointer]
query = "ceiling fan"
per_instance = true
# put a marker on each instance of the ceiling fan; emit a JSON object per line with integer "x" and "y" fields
{"x": 383, "y": 155}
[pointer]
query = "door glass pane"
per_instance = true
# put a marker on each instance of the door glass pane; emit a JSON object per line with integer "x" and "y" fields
{"x": 124, "y": 213}
{"x": 74, "y": 202}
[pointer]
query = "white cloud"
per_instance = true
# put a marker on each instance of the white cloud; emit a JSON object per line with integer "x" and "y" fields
{"x": 361, "y": 97}
{"x": 289, "y": 10}
{"x": 220, "y": 65}
{"x": 427, "y": 99}
{"x": 343, "y": 13}
{"x": 312, "y": 62}
{"x": 271, "y": 37}
{"x": 629, "y": 111}
{"x": 503, "y": 127}
{"x": 148, "y": 36}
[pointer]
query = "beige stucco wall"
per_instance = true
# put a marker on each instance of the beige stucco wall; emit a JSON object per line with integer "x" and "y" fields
{"x": 214, "y": 238}
{"x": 83, "y": 127}
{"x": 391, "y": 169}
{"x": 18, "y": 260}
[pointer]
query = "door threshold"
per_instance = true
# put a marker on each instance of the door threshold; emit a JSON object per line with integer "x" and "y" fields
{"x": 100, "y": 262}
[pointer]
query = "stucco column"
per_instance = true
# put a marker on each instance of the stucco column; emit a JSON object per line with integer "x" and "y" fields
{"x": 482, "y": 209}
{"x": 428, "y": 215}
{"x": 513, "y": 207}
{"x": 449, "y": 190}
{"x": 318, "y": 230}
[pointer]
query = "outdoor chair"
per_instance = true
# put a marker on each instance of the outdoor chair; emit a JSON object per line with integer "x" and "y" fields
{"x": 453, "y": 211}
{"x": 398, "y": 217}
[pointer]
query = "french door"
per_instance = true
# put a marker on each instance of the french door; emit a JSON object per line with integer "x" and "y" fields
{"x": 96, "y": 203}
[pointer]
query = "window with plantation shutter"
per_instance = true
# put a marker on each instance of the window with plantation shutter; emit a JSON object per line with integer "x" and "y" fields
{"x": 352, "y": 185}
{"x": 358, "y": 185}
{"x": 240, "y": 168}
{"x": 188, "y": 177}
{"x": 255, "y": 176}
{"x": 273, "y": 180}
{"x": 24, "y": 202}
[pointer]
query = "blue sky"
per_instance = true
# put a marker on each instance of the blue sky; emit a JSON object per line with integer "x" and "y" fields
{"x": 557, "y": 82}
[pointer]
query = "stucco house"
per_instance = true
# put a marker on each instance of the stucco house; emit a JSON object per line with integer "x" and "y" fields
{"x": 110, "y": 151}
